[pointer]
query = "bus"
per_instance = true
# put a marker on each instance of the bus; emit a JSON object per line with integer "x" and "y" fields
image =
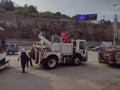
{"x": 2, "y": 49}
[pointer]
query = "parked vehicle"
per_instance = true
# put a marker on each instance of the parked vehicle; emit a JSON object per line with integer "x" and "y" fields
{"x": 3, "y": 60}
{"x": 97, "y": 48}
{"x": 11, "y": 48}
{"x": 60, "y": 53}
{"x": 91, "y": 47}
{"x": 109, "y": 56}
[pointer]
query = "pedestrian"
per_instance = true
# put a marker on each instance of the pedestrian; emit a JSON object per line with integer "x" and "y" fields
{"x": 29, "y": 53}
{"x": 23, "y": 57}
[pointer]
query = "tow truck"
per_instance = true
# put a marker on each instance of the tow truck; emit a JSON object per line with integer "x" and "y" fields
{"x": 3, "y": 60}
{"x": 51, "y": 54}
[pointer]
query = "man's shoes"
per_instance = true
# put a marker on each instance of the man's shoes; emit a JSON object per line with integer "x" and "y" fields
{"x": 23, "y": 71}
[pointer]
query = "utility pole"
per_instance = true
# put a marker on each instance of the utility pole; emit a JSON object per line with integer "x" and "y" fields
{"x": 115, "y": 25}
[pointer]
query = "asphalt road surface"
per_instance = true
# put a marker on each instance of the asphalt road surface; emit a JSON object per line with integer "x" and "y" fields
{"x": 89, "y": 76}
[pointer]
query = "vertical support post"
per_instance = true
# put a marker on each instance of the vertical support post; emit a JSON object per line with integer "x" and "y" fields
{"x": 115, "y": 26}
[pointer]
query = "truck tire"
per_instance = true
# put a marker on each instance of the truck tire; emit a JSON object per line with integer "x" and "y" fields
{"x": 76, "y": 61}
{"x": 50, "y": 63}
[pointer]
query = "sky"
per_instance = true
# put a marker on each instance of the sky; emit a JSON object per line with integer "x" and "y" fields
{"x": 103, "y": 8}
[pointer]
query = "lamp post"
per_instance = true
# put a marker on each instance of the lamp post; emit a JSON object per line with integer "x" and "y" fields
{"x": 114, "y": 5}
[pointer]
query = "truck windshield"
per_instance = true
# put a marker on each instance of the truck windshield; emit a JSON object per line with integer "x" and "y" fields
{"x": 2, "y": 41}
{"x": 82, "y": 45}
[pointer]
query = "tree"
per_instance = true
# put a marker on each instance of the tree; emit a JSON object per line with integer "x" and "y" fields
{"x": 7, "y": 5}
{"x": 32, "y": 9}
{"x": 58, "y": 15}
{"x": 27, "y": 10}
{"x": 103, "y": 21}
{"x": 2, "y": 10}
{"x": 73, "y": 17}
{"x": 47, "y": 14}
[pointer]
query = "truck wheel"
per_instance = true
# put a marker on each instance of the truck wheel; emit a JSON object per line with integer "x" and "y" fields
{"x": 76, "y": 61}
{"x": 50, "y": 63}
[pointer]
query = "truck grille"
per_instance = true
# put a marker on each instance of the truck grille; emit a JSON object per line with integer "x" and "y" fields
{"x": 2, "y": 62}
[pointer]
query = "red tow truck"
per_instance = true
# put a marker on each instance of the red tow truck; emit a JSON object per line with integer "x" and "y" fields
{"x": 109, "y": 56}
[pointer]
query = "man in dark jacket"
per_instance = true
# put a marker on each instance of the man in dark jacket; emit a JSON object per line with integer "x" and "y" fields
{"x": 23, "y": 57}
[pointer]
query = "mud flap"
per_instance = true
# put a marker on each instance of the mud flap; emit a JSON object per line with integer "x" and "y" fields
{"x": 4, "y": 64}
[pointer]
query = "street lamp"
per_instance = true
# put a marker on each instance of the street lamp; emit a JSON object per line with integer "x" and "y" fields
{"x": 114, "y": 5}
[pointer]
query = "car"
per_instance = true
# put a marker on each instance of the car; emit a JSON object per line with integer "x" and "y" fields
{"x": 91, "y": 47}
{"x": 97, "y": 48}
{"x": 11, "y": 48}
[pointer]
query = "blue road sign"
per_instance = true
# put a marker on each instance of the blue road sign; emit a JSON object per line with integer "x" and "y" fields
{"x": 86, "y": 17}
{"x": 82, "y": 17}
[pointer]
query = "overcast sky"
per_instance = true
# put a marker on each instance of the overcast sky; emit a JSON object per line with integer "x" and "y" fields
{"x": 103, "y": 8}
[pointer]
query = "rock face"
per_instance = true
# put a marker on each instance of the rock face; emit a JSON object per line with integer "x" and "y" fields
{"x": 22, "y": 27}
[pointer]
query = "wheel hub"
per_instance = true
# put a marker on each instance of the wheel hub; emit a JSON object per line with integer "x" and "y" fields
{"x": 77, "y": 61}
{"x": 52, "y": 63}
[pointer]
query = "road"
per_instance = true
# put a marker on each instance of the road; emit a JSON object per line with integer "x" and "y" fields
{"x": 89, "y": 76}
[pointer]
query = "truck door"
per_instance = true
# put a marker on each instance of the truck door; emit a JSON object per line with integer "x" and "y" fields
{"x": 81, "y": 47}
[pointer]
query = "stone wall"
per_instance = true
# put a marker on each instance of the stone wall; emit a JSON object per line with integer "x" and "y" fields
{"x": 22, "y": 27}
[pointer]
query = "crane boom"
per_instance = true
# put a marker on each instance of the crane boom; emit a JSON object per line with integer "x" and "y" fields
{"x": 45, "y": 40}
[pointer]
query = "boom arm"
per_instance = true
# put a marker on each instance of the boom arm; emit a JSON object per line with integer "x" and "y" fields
{"x": 45, "y": 40}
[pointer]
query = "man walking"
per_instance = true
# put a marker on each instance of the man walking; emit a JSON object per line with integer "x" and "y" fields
{"x": 23, "y": 57}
